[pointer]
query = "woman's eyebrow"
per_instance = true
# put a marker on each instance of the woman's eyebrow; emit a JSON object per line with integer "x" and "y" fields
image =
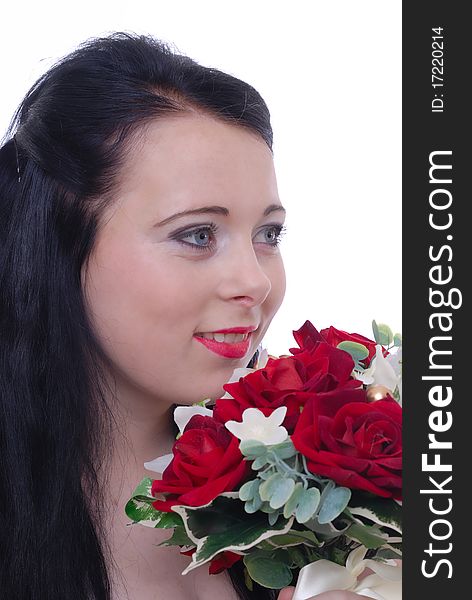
{"x": 219, "y": 210}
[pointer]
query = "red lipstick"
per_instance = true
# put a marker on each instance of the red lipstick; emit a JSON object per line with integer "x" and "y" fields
{"x": 235, "y": 350}
{"x": 236, "y": 330}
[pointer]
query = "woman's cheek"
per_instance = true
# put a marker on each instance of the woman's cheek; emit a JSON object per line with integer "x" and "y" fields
{"x": 279, "y": 285}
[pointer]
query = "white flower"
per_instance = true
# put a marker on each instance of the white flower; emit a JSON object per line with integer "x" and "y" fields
{"x": 183, "y": 414}
{"x": 383, "y": 370}
{"x": 256, "y": 426}
{"x": 384, "y": 583}
{"x": 159, "y": 464}
{"x": 262, "y": 358}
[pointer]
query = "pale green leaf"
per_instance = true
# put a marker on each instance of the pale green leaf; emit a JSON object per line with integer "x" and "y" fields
{"x": 357, "y": 351}
{"x": 385, "y": 334}
{"x": 260, "y": 462}
{"x": 252, "y": 448}
{"x": 285, "y": 449}
{"x": 248, "y": 490}
{"x": 292, "y": 502}
{"x": 268, "y": 487}
{"x": 333, "y": 504}
{"x": 283, "y": 490}
{"x": 307, "y": 504}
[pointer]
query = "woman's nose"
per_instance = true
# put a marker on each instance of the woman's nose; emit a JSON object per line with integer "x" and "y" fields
{"x": 244, "y": 278}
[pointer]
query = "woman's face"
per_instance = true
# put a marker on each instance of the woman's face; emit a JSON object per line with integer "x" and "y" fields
{"x": 156, "y": 279}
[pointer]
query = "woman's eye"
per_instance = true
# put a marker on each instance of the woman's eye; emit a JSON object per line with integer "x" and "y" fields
{"x": 273, "y": 234}
{"x": 202, "y": 238}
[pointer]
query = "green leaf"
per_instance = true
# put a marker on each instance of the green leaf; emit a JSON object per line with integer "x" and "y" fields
{"x": 357, "y": 351}
{"x": 265, "y": 474}
{"x": 283, "y": 490}
{"x": 179, "y": 537}
{"x": 143, "y": 490}
{"x": 254, "y": 504}
{"x": 328, "y": 531}
{"x": 267, "y": 572}
{"x": 266, "y": 508}
{"x": 143, "y": 511}
{"x": 268, "y": 488}
{"x": 385, "y": 334}
{"x": 224, "y": 525}
{"x": 248, "y": 490}
{"x": 139, "y": 506}
{"x": 248, "y": 581}
{"x": 370, "y": 537}
{"x": 260, "y": 462}
{"x": 307, "y": 504}
{"x": 376, "y": 331}
{"x": 138, "y": 511}
{"x": 285, "y": 449}
{"x": 381, "y": 511}
{"x": 273, "y": 516}
{"x": 295, "y": 557}
{"x": 397, "y": 339}
{"x": 333, "y": 504}
{"x": 252, "y": 448}
{"x": 295, "y": 538}
{"x": 387, "y": 552}
{"x": 292, "y": 502}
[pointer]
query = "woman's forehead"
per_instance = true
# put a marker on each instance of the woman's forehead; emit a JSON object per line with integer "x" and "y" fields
{"x": 187, "y": 161}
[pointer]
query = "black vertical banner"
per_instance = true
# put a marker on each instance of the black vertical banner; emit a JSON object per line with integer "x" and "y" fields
{"x": 437, "y": 263}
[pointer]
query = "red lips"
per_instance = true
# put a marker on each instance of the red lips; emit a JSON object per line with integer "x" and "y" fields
{"x": 236, "y": 330}
{"x": 235, "y": 350}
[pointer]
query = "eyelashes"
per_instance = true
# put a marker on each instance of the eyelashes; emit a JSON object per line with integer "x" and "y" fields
{"x": 277, "y": 230}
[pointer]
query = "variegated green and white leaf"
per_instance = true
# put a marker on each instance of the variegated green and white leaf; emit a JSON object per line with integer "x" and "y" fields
{"x": 224, "y": 525}
{"x": 381, "y": 511}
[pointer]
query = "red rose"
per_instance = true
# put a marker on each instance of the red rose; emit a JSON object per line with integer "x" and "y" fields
{"x": 223, "y": 560}
{"x": 356, "y": 443}
{"x": 288, "y": 381}
{"x": 306, "y": 337}
{"x": 206, "y": 463}
{"x": 335, "y": 336}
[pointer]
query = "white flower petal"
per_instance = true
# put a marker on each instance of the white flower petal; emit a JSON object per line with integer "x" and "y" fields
{"x": 237, "y": 429}
{"x": 263, "y": 358}
{"x": 160, "y": 464}
{"x": 363, "y": 376}
{"x": 395, "y": 361}
{"x": 277, "y": 437}
{"x": 383, "y": 373}
{"x": 253, "y": 416}
{"x": 277, "y": 417}
{"x": 183, "y": 414}
{"x": 256, "y": 426}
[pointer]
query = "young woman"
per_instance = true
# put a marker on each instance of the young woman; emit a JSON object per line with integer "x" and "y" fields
{"x": 139, "y": 213}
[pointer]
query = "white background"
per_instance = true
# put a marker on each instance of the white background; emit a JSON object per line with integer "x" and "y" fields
{"x": 330, "y": 73}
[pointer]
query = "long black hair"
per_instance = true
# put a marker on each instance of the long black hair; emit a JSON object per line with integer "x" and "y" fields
{"x": 59, "y": 167}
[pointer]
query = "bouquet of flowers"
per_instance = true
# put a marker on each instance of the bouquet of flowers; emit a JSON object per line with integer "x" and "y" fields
{"x": 296, "y": 470}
